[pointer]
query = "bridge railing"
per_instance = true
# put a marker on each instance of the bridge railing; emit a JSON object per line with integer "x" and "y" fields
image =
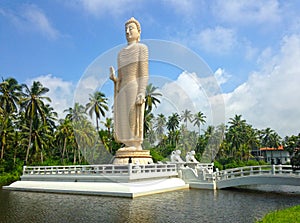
{"x": 132, "y": 171}
{"x": 254, "y": 170}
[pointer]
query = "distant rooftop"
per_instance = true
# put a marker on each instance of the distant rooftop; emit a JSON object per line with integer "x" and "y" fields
{"x": 271, "y": 149}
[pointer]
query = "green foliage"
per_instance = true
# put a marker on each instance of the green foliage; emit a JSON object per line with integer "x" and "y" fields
{"x": 227, "y": 163}
{"x": 218, "y": 165}
{"x": 165, "y": 151}
{"x": 155, "y": 155}
{"x": 10, "y": 172}
{"x": 296, "y": 161}
{"x": 289, "y": 215}
{"x": 49, "y": 162}
{"x": 151, "y": 97}
{"x": 8, "y": 178}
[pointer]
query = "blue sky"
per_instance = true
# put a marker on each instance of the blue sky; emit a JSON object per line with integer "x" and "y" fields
{"x": 253, "y": 47}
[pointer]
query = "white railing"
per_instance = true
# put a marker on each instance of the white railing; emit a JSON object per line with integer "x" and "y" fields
{"x": 76, "y": 169}
{"x": 255, "y": 170}
{"x": 132, "y": 171}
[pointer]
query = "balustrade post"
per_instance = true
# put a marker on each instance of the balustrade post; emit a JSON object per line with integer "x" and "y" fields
{"x": 280, "y": 169}
{"x": 273, "y": 169}
{"x": 112, "y": 169}
{"x": 129, "y": 169}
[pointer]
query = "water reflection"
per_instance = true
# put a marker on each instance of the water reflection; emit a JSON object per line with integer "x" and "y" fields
{"x": 179, "y": 206}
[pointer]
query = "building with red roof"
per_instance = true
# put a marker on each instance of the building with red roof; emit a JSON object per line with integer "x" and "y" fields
{"x": 275, "y": 155}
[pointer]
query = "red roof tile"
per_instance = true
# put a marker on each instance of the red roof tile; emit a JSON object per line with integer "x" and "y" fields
{"x": 269, "y": 149}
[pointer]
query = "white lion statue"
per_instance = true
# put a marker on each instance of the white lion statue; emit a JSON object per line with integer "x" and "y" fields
{"x": 175, "y": 157}
{"x": 190, "y": 157}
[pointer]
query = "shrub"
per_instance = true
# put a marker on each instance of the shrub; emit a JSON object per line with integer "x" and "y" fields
{"x": 252, "y": 163}
{"x": 155, "y": 155}
{"x": 218, "y": 165}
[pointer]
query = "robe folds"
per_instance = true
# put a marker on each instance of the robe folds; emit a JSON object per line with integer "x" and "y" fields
{"x": 131, "y": 82}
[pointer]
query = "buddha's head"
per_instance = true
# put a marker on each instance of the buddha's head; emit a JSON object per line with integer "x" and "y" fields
{"x": 132, "y": 30}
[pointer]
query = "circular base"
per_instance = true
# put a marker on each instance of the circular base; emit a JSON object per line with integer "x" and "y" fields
{"x": 133, "y": 156}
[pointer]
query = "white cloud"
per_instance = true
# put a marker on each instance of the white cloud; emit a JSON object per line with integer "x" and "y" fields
{"x": 196, "y": 94}
{"x": 86, "y": 86}
{"x": 32, "y": 18}
{"x": 219, "y": 40}
{"x": 39, "y": 20}
{"x": 222, "y": 76}
{"x": 60, "y": 92}
{"x": 270, "y": 97}
{"x": 248, "y": 12}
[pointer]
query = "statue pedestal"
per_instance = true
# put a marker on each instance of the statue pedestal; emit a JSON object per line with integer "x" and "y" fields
{"x": 137, "y": 156}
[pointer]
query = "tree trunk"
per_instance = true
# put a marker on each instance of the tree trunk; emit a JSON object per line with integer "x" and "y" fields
{"x": 15, "y": 154}
{"x": 97, "y": 124}
{"x": 79, "y": 157}
{"x": 74, "y": 159}
{"x": 64, "y": 150}
{"x": 2, "y": 150}
{"x": 29, "y": 141}
{"x": 42, "y": 158}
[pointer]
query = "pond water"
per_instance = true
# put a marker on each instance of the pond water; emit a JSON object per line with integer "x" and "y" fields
{"x": 178, "y": 206}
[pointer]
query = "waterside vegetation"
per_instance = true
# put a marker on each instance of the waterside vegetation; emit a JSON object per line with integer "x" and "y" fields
{"x": 289, "y": 215}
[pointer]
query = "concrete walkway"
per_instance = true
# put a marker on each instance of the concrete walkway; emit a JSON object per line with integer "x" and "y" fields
{"x": 130, "y": 190}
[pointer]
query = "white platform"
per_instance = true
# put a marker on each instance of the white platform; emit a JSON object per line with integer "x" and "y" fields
{"x": 130, "y": 190}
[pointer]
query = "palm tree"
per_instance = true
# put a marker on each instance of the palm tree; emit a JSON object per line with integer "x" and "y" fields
{"x": 108, "y": 141}
{"x": 270, "y": 138}
{"x": 85, "y": 136}
{"x": 172, "y": 126}
{"x": 41, "y": 140}
{"x": 6, "y": 132}
{"x": 160, "y": 124}
{"x": 109, "y": 125}
{"x": 148, "y": 121}
{"x": 34, "y": 106}
{"x": 10, "y": 93}
{"x": 51, "y": 116}
{"x": 64, "y": 135}
{"x": 199, "y": 118}
{"x": 212, "y": 143}
{"x": 237, "y": 121}
{"x": 173, "y": 122}
{"x": 236, "y": 133}
{"x": 151, "y": 97}
{"x": 97, "y": 105}
{"x": 291, "y": 143}
{"x": 77, "y": 113}
{"x": 186, "y": 116}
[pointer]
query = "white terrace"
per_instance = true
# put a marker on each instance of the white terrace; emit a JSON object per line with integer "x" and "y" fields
{"x": 138, "y": 180}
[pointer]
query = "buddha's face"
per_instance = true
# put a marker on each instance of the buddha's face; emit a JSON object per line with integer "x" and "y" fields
{"x": 132, "y": 33}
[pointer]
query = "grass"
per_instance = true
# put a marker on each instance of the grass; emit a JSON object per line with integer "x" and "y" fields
{"x": 289, "y": 215}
